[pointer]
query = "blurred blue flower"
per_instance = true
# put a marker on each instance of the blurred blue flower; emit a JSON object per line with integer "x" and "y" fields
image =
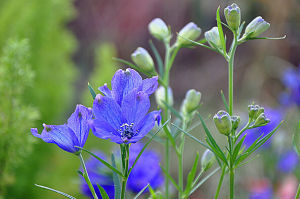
{"x": 262, "y": 189}
{"x": 69, "y": 135}
{"x": 121, "y": 114}
{"x": 252, "y": 134}
{"x": 147, "y": 170}
{"x": 291, "y": 80}
{"x": 288, "y": 161}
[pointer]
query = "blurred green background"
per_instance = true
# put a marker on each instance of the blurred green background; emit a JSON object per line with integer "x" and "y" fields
{"x": 50, "y": 50}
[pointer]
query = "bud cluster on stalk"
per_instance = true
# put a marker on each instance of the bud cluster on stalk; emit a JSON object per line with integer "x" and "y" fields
{"x": 226, "y": 123}
{"x": 190, "y": 103}
{"x": 257, "y": 116}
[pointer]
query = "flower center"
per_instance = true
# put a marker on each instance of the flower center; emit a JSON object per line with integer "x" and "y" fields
{"x": 127, "y": 131}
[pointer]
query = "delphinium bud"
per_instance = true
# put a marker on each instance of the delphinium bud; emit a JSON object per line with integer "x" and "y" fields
{"x": 223, "y": 122}
{"x": 256, "y": 27}
{"x": 190, "y": 31}
{"x": 233, "y": 16}
{"x": 261, "y": 120}
{"x": 160, "y": 96}
{"x": 213, "y": 38}
{"x": 207, "y": 160}
{"x": 158, "y": 29}
{"x": 235, "y": 121}
{"x": 190, "y": 102}
{"x": 142, "y": 59}
{"x": 255, "y": 111}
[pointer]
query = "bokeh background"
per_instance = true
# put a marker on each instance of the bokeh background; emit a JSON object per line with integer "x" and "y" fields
{"x": 64, "y": 44}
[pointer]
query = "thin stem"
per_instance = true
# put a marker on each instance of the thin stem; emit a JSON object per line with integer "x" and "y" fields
{"x": 180, "y": 174}
{"x": 298, "y": 193}
{"x": 125, "y": 149}
{"x": 167, "y": 148}
{"x": 231, "y": 171}
{"x": 198, "y": 177}
{"x": 220, "y": 181}
{"x": 86, "y": 177}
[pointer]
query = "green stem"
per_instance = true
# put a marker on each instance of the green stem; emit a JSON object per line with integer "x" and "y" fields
{"x": 125, "y": 164}
{"x": 180, "y": 174}
{"x": 167, "y": 148}
{"x": 231, "y": 171}
{"x": 298, "y": 193}
{"x": 220, "y": 181}
{"x": 86, "y": 177}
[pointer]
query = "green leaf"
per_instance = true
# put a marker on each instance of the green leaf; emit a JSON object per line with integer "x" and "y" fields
{"x": 158, "y": 59}
{"x": 173, "y": 110}
{"x": 171, "y": 179}
{"x": 224, "y": 101}
{"x": 220, "y": 29}
{"x": 237, "y": 148}
{"x": 191, "y": 176}
{"x": 141, "y": 191}
{"x": 80, "y": 173}
{"x": 102, "y": 161}
{"x": 269, "y": 38}
{"x": 116, "y": 179}
{"x": 145, "y": 146}
{"x": 59, "y": 192}
{"x": 102, "y": 192}
{"x": 240, "y": 29}
{"x": 296, "y": 142}
{"x": 92, "y": 91}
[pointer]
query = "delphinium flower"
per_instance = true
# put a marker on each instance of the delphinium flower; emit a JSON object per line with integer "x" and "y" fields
{"x": 261, "y": 189}
{"x": 121, "y": 113}
{"x": 275, "y": 117}
{"x": 288, "y": 161}
{"x": 147, "y": 170}
{"x": 291, "y": 80}
{"x": 67, "y": 136}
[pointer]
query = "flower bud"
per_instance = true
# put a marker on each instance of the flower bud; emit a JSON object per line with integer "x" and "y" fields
{"x": 207, "y": 160}
{"x": 190, "y": 31}
{"x": 260, "y": 121}
{"x": 160, "y": 96}
{"x": 190, "y": 102}
{"x": 213, "y": 38}
{"x": 235, "y": 121}
{"x": 142, "y": 59}
{"x": 223, "y": 122}
{"x": 255, "y": 111}
{"x": 233, "y": 16}
{"x": 256, "y": 27}
{"x": 158, "y": 29}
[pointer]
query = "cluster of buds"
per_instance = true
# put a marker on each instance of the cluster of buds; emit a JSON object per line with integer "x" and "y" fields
{"x": 233, "y": 16}
{"x": 226, "y": 123}
{"x": 257, "y": 116}
{"x": 190, "y": 103}
{"x": 207, "y": 160}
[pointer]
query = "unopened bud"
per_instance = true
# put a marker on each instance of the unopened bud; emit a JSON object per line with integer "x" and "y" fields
{"x": 190, "y": 102}
{"x": 233, "y": 16}
{"x": 256, "y": 27}
{"x": 190, "y": 31}
{"x": 160, "y": 97}
{"x": 223, "y": 122}
{"x": 207, "y": 160}
{"x": 255, "y": 111}
{"x": 158, "y": 29}
{"x": 213, "y": 38}
{"x": 235, "y": 120}
{"x": 142, "y": 59}
{"x": 261, "y": 121}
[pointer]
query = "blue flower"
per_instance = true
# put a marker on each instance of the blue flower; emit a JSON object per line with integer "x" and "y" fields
{"x": 121, "y": 114}
{"x": 288, "y": 161}
{"x": 69, "y": 135}
{"x": 147, "y": 170}
{"x": 275, "y": 117}
{"x": 291, "y": 80}
{"x": 261, "y": 190}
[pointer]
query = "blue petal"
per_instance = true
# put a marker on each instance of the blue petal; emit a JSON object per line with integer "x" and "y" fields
{"x": 150, "y": 85}
{"x": 135, "y": 106}
{"x": 123, "y": 82}
{"x": 105, "y": 90}
{"x": 78, "y": 122}
{"x": 61, "y": 135}
{"x": 106, "y": 109}
{"x": 104, "y": 130}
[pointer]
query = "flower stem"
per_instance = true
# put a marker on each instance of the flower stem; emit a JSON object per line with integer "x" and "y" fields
{"x": 220, "y": 181}
{"x": 86, "y": 177}
{"x": 125, "y": 161}
{"x": 231, "y": 171}
{"x": 167, "y": 148}
{"x": 298, "y": 192}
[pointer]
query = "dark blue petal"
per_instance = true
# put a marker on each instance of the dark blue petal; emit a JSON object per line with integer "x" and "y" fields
{"x": 123, "y": 82}
{"x": 78, "y": 122}
{"x": 135, "y": 106}
{"x": 106, "y": 109}
{"x": 150, "y": 85}
{"x": 61, "y": 135}
{"x": 105, "y": 90}
{"x": 104, "y": 130}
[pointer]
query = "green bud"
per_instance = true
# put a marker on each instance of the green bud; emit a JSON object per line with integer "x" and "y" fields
{"x": 233, "y": 16}
{"x": 190, "y": 31}
{"x": 235, "y": 120}
{"x": 160, "y": 96}
{"x": 159, "y": 29}
{"x": 260, "y": 121}
{"x": 213, "y": 38}
{"x": 223, "y": 122}
{"x": 142, "y": 59}
{"x": 255, "y": 111}
{"x": 207, "y": 160}
{"x": 190, "y": 102}
{"x": 256, "y": 27}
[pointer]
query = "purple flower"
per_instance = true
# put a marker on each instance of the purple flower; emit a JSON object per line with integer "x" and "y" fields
{"x": 275, "y": 117}
{"x": 121, "y": 114}
{"x": 288, "y": 161}
{"x": 291, "y": 80}
{"x": 69, "y": 135}
{"x": 147, "y": 170}
{"x": 261, "y": 190}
